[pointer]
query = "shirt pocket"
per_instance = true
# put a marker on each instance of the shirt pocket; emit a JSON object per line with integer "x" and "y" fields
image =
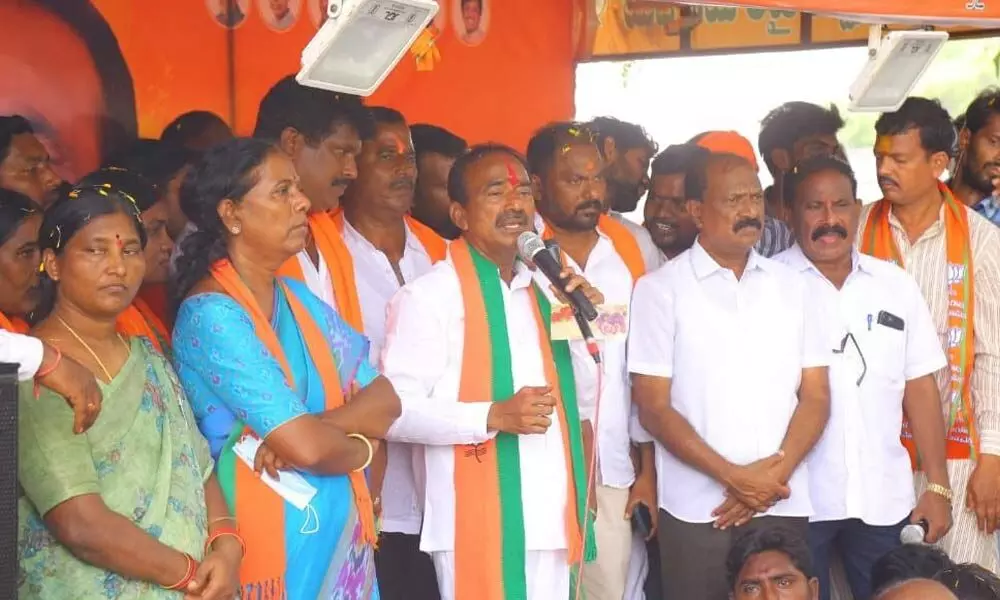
{"x": 884, "y": 352}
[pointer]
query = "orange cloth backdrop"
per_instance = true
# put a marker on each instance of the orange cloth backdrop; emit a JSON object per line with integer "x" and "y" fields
{"x": 519, "y": 77}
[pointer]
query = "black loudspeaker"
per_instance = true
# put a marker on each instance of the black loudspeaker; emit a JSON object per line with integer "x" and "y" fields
{"x": 8, "y": 481}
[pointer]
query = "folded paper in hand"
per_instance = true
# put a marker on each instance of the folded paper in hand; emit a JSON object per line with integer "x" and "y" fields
{"x": 291, "y": 486}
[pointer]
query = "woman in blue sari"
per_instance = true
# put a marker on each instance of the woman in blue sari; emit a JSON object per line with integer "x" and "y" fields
{"x": 261, "y": 358}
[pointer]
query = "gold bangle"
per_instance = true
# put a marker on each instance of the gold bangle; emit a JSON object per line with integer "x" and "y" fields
{"x": 940, "y": 490}
{"x": 371, "y": 450}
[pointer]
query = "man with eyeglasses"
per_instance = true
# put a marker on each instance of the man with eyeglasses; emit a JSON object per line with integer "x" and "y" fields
{"x": 885, "y": 351}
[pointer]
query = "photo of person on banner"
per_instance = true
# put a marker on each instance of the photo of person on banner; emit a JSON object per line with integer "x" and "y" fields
{"x": 472, "y": 19}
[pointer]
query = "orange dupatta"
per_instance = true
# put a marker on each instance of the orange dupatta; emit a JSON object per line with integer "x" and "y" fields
{"x": 877, "y": 240}
{"x": 259, "y": 509}
{"x": 338, "y": 260}
{"x": 14, "y": 325}
{"x": 435, "y": 245}
{"x": 623, "y": 242}
{"x": 140, "y": 320}
{"x": 479, "y": 566}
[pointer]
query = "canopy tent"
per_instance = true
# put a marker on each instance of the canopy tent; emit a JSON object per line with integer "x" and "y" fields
{"x": 92, "y": 72}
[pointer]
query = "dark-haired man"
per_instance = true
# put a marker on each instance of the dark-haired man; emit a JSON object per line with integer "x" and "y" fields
{"x": 196, "y": 131}
{"x": 978, "y": 175}
{"x": 388, "y": 249}
{"x": 771, "y": 564}
{"x": 885, "y": 351}
{"x": 570, "y": 195}
{"x": 437, "y": 148}
{"x": 25, "y": 165}
{"x": 731, "y": 445}
{"x": 506, "y": 483}
{"x": 321, "y": 131}
{"x": 906, "y": 562}
{"x": 954, "y": 254}
{"x": 791, "y": 133}
{"x": 665, "y": 213}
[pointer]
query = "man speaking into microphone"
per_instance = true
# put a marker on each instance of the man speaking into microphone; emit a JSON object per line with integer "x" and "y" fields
{"x": 729, "y": 371}
{"x": 571, "y": 197}
{"x": 506, "y": 511}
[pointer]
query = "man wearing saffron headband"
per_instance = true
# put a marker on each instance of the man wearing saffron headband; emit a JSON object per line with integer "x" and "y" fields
{"x": 954, "y": 254}
{"x": 729, "y": 373}
{"x": 775, "y": 236}
{"x": 506, "y": 498}
{"x": 388, "y": 249}
{"x": 570, "y": 193}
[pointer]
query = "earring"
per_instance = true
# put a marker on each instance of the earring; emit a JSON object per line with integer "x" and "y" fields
{"x": 236, "y": 229}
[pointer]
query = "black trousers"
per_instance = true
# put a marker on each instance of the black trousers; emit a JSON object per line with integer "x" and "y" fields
{"x": 404, "y": 572}
{"x": 693, "y": 555}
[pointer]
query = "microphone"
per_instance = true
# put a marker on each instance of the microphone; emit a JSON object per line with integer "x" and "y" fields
{"x": 530, "y": 247}
{"x": 914, "y": 533}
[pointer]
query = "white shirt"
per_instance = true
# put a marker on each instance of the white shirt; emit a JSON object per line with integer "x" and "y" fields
{"x": 607, "y": 272}
{"x": 651, "y": 255}
{"x": 317, "y": 278}
{"x": 402, "y": 492}
{"x": 423, "y": 360}
{"x": 735, "y": 350}
{"x": 859, "y": 468}
{"x": 22, "y": 350}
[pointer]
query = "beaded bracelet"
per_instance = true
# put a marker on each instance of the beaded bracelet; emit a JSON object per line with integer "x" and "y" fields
{"x": 192, "y": 568}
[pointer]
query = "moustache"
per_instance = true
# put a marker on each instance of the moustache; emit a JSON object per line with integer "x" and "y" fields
{"x": 403, "y": 183}
{"x": 825, "y": 229}
{"x": 884, "y": 181}
{"x": 512, "y": 217}
{"x": 590, "y": 205}
{"x": 748, "y": 222}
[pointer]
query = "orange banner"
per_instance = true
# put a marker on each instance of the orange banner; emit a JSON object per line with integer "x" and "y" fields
{"x": 978, "y": 13}
{"x": 91, "y": 73}
{"x": 638, "y": 28}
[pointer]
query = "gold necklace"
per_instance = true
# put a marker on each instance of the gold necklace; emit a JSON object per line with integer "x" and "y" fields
{"x": 86, "y": 346}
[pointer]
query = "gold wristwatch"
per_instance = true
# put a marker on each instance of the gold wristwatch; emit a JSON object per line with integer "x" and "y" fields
{"x": 940, "y": 490}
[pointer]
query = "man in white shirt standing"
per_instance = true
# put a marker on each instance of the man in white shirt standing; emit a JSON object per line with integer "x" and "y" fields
{"x": 505, "y": 499}
{"x": 729, "y": 371}
{"x": 387, "y": 254}
{"x": 570, "y": 195}
{"x": 885, "y": 353}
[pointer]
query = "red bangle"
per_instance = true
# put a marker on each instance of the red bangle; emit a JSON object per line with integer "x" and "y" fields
{"x": 192, "y": 568}
{"x": 223, "y": 532}
{"x": 49, "y": 370}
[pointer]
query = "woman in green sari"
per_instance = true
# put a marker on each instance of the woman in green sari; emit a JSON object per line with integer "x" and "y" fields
{"x": 131, "y": 508}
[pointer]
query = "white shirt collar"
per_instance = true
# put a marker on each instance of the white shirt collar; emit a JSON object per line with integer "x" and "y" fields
{"x": 704, "y": 265}
{"x": 798, "y": 260}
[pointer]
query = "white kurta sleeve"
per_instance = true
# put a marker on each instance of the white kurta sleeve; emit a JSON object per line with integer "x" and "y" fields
{"x": 22, "y": 350}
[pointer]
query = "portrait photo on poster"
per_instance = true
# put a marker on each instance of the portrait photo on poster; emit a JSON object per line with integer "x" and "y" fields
{"x": 229, "y": 13}
{"x": 279, "y": 15}
{"x": 73, "y": 84}
{"x": 471, "y": 20}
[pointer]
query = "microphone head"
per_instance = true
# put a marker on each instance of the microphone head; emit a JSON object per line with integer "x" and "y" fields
{"x": 528, "y": 245}
{"x": 912, "y": 534}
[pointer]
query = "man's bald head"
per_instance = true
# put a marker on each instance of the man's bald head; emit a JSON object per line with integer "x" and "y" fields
{"x": 917, "y": 589}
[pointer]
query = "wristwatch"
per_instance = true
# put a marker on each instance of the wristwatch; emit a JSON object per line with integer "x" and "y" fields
{"x": 940, "y": 490}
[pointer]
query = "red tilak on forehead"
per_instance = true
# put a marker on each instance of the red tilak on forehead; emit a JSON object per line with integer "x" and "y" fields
{"x": 512, "y": 177}
{"x": 400, "y": 146}
{"x": 119, "y": 242}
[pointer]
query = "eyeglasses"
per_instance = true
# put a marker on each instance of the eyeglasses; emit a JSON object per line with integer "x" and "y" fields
{"x": 843, "y": 345}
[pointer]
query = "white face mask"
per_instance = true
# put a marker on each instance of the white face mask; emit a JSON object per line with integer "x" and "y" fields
{"x": 291, "y": 486}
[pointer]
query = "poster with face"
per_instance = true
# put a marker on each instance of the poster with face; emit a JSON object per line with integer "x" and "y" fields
{"x": 472, "y": 20}
{"x": 279, "y": 15}
{"x": 70, "y": 76}
{"x": 228, "y": 13}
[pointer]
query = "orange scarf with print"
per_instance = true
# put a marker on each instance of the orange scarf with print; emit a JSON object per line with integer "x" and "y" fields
{"x": 330, "y": 245}
{"x": 877, "y": 240}
{"x": 259, "y": 509}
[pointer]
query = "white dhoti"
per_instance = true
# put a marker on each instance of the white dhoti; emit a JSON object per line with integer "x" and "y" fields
{"x": 605, "y": 578}
{"x": 546, "y": 572}
{"x": 965, "y": 542}
{"x": 638, "y": 570}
